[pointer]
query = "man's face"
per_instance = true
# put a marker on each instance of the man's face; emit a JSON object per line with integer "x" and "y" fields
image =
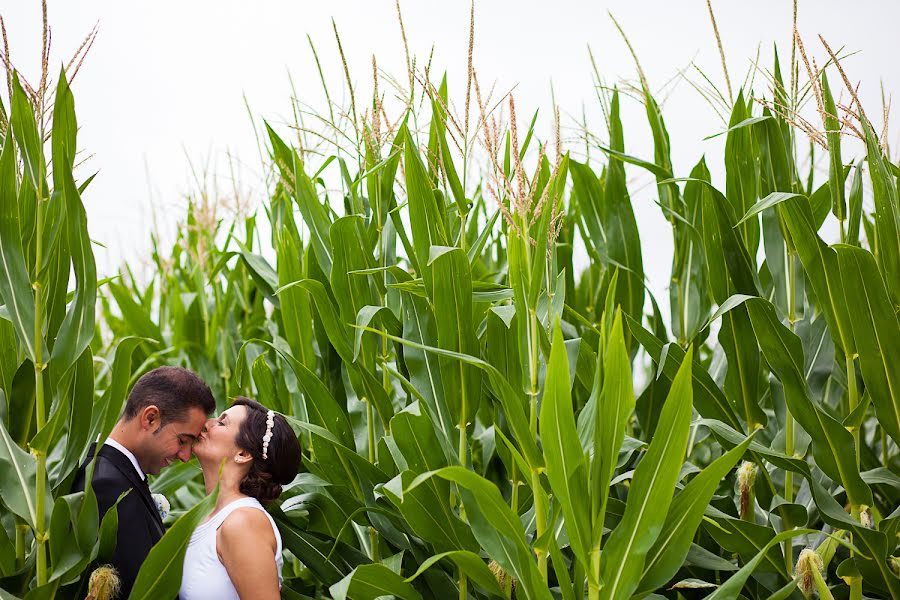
{"x": 171, "y": 441}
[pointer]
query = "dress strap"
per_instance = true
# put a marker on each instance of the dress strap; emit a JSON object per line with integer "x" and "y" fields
{"x": 216, "y": 521}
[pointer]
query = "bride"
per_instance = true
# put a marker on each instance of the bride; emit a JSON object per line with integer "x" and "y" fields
{"x": 236, "y": 552}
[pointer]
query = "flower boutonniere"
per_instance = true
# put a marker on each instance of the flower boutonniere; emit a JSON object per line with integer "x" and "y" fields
{"x": 162, "y": 505}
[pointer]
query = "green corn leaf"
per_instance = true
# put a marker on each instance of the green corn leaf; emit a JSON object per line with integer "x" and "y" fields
{"x": 314, "y": 213}
{"x": 855, "y": 202}
{"x": 413, "y": 431}
{"x": 350, "y": 254}
{"x": 661, "y": 172}
{"x": 731, "y": 589}
{"x": 776, "y": 168}
{"x": 887, "y": 214}
{"x": 512, "y": 403}
{"x": 113, "y": 400}
{"x": 689, "y": 296}
{"x": 369, "y": 582}
{"x": 447, "y": 166}
{"x": 339, "y": 337}
{"x": 452, "y": 299}
{"x": 708, "y": 398}
{"x": 426, "y": 216}
{"x": 64, "y": 550}
{"x": 502, "y": 344}
{"x": 616, "y": 404}
{"x": 650, "y": 494}
{"x": 424, "y": 370}
{"x": 623, "y": 241}
{"x": 369, "y": 314}
{"x": 875, "y": 331}
{"x": 566, "y": 468}
{"x": 495, "y": 526}
{"x": 820, "y": 264}
{"x": 321, "y": 407}
{"x": 265, "y": 385}
{"x": 136, "y": 317}
{"x": 15, "y": 285}
{"x": 315, "y": 553}
{"x": 685, "y": 515}
{"x": 262, "y": 273}
{"x": 769, "y": 201}
{"x": 742, "y": 170}
{"x": 833, "y": 445}
{"x": 295, "y": 304}
{"x": 427, "y": 511}
{"x": 745, "y": 123}
{"x": 25, "y": 131}
{"x": 160, "y": 574}
{"x": 18, "y": 476}
{"x": 77, "y": 327}
{"x": 746, "y": 538}
{"x": 466, "y": 562}
{"x": 835, "y": 164}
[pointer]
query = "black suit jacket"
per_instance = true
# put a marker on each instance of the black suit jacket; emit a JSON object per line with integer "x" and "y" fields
{"x": 140, "y": 525}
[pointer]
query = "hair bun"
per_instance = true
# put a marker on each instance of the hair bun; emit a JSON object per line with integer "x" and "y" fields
{"x": 258, "y": 484}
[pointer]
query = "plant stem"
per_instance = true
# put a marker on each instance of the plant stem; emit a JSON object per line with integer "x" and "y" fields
{"x": 370, "y": 429}
{"x": 40, "y": 533}
{"x": 789, "y": 418}
{"x": 463, "y": 446}
{"x": 373, "y": 542}
{"x": 370, "y": 426}
{"x": 514, "y": 495}
{"x": 540, "y": 510}
{"x": 462, "y": 230}
{"x": 463, "y": 585}
{"x": 21, "y": 528}
{"x": 533, "y": 391}
{"x": 540, "y": 522}
{"x": 594, "y": 588}
{"x": 853, "y": 396}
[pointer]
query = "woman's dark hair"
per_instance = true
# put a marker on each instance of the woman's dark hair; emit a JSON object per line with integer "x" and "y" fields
{"x": 266, "y": 476}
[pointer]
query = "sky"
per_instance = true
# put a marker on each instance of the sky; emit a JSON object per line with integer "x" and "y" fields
{"x": 171, "y": 88}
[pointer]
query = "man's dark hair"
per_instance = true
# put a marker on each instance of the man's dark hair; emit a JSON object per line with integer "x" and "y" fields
{"x": 173, "y": 390}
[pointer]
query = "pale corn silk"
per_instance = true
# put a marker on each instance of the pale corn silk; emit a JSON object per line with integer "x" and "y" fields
{"x": 204, "y": 576}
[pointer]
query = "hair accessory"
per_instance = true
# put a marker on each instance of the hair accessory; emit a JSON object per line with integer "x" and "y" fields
{"x": 270, "y": 422}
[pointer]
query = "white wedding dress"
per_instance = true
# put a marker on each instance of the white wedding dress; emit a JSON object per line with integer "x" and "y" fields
{"x": 204, "y": 576}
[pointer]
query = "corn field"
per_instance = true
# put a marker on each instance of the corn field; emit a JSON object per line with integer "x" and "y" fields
{"x": 481, "y": 415}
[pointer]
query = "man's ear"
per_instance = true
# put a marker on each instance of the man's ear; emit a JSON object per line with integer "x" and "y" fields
{"x": 150, "y": 418}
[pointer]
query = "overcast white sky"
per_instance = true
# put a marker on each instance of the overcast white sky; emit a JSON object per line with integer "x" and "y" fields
{"x": 166, "y": 79}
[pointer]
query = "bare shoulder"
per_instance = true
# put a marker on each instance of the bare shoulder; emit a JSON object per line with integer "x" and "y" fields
{"x": 246, "y": 517}
{"x": 245, "y": 525}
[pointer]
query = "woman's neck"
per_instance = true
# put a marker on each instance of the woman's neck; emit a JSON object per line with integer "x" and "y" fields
{"x": 227, "y": 479}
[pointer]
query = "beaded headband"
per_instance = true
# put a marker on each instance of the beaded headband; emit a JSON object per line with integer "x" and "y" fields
{"x": 270, "y": 422}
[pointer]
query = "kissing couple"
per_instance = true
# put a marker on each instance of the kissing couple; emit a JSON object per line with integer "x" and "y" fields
{"x": 249, "y": 451}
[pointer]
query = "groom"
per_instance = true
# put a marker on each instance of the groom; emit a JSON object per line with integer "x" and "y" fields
{"x": 164, "y": 414}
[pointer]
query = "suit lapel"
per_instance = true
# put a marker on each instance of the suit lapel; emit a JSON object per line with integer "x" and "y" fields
{"x": 126, "y": 468}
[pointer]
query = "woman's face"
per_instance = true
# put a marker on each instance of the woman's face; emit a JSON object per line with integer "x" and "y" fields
{"x": 217, "y": 440}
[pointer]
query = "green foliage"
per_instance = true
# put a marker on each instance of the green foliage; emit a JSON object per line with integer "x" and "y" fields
{"x": 479, "y": 415}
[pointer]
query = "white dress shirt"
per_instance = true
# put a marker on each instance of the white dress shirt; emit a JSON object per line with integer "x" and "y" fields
{"x": 128, "y": 453}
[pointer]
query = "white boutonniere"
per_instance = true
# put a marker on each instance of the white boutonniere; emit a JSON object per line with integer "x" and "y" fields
{"x": 162, "y": 505}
